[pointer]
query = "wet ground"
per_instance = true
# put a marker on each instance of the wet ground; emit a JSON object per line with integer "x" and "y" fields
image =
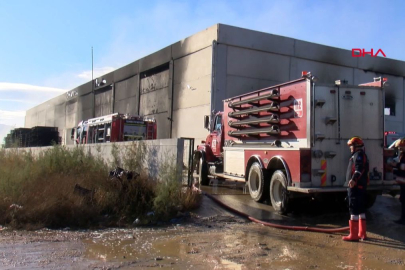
{"x": 213, "y": 238}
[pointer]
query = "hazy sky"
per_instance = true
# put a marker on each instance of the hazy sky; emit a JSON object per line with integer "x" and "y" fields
{"x": 45, "y": 45}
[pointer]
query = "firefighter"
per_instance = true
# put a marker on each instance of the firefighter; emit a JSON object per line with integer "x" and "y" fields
{"x": 357, "y": 180}
{"x": 399, "y": 164}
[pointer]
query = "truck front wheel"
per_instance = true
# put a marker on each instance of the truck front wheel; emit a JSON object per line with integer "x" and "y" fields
{"x": 203, "y": 173}
{"x": 257, "y": 183}
{"x": 278, "y": 192}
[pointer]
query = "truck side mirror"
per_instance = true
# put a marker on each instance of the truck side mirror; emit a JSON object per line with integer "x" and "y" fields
{"x": 72, "y": 134}
{"x": 207, "y": 122}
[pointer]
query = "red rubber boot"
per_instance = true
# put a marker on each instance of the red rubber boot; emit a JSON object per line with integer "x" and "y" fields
{"x": 354, "y": 231}
{"x": 362, "y": 229}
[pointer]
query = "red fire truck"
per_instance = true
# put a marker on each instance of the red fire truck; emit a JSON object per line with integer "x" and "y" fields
{"x": 289, "y": 141}
{"x": 114, "y": 128}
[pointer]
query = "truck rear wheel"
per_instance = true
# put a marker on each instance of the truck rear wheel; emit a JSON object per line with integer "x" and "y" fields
{"x": 203, "y": 173}
{"x": 257, "y": 184}
{"x": 278, "y": 192}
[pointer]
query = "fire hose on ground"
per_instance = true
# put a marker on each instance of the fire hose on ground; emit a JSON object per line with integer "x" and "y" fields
{"x": 274, "y": 225}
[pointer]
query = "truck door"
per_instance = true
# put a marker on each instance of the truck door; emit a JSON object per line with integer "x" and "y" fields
{"x": 216, "y": 135}
{"x": 328, "y": 151}
{"x": 339, "y": 113}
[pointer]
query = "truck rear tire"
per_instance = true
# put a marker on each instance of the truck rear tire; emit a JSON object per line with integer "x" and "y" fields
{"x": 203, "y": 173}
{"x": 278, "y": 192}
{"x": 257, "y": 183}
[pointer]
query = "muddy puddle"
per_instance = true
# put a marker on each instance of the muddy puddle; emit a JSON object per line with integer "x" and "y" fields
{"x": 175, "y": 248}
{"x": 242, "y": 246}
{"x": 220, "y": 240}
{"x": 213, "y": 239}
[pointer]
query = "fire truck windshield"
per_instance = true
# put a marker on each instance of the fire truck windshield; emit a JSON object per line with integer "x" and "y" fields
{"x": 218, "y": 123}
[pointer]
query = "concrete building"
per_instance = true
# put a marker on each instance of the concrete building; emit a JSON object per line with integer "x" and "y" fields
{"x": 188, "y": 79}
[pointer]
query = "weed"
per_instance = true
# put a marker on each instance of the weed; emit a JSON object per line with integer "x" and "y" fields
{"x": 115, "y": 153}
{"x": 134, "y": 156}
{"x": 43, "y": 185}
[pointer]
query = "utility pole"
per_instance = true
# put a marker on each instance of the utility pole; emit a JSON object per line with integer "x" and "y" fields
{"x": 92, "y": 85}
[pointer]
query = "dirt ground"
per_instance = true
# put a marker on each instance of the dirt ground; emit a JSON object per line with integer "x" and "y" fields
{"x": 211, "y": 238}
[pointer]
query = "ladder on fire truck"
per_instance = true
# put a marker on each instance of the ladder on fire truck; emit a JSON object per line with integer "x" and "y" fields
{"x": 150, "y": 130}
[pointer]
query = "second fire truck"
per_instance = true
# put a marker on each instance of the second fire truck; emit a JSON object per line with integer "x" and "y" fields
{"x": 114, "y": 128}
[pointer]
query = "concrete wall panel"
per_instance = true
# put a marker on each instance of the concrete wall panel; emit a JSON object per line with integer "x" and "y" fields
{"x": 156, "y": 59}
{"x": 383, "y": 65}
{"x": 128, "y": 105}
{"x": 60, "y": 121}
{"x": 362, "y": 76}
{"x": 154, "y": 102}
{"x": 195, "y": 42}
{"x": 50, "y": 117}
{"x": 154, "y": 82}
{"x": 82, "y": 89}
{"x": 220, "y": 77}
{"x": 327, "y": 73}
{"x": 396, "y": 123}
{"x": 326, "y": 54}
{"x": 71, "y": 114}
{"x": 238, "y": 85}
{"x": 29, "y": 119}
{"x": 192, "y": 93}
{"x": 84, "y": 115}
{"x": 126, "y": 88}
{"x": 127, "y": 96}
{"x": 154, "y": 94}
{"x": 60, "y": 110}
{"x": 103, "y": 102}
{"x": 126, "y": 71}
{"x": 256, "y": 64}
{"x": 41, "y": 120}
{"x": 163, "y": 124}
{"x": 85, "y": 102}
{"x": 392, "y": 125}
{"x": 190, "y": 122}
{"x": 103, "y": 81}
{"x": 255, "y": 40}
{"x": 193, "y": 67}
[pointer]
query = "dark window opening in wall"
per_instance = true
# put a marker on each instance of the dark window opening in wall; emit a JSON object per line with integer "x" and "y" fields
{"x": 155, "y": 70}
{"x": 154, "y": 79}
{"x": 389, "y": 105}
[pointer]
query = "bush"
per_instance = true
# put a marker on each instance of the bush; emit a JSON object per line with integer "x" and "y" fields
{"x": 39, "y": 191}
{"x": 44, "y": 187}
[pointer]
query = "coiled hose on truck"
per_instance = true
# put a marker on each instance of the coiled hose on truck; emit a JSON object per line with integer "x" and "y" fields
{"x": 274, "y": 225}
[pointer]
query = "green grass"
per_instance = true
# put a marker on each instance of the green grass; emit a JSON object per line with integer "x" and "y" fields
{"x": 43, "y": 186}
